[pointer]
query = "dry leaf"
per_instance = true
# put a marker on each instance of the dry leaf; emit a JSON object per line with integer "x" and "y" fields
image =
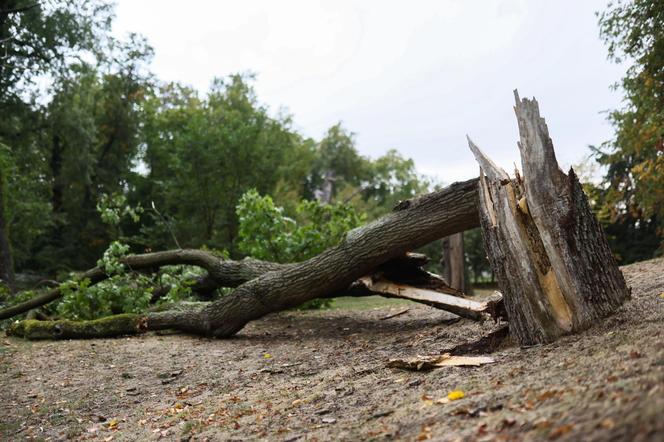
{"x": 560, "y": 431}
{"x": 455, "y": 395}
{"x": 608, "y": 423}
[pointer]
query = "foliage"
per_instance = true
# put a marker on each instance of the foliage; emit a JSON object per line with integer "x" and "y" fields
{"x": 633, "y": 187}
{"x": 202, "y": 154}
{"x": 113, "y": 209}
{"x": 27, "y": 210}
{"x": 477, "y": 262}
{"x": 267, "y": 233}
{"x": 39, "y": 38}
{"x": 336, "y": 164}
{"x": 122, "y": 292}
{"x": 118, "y": 294}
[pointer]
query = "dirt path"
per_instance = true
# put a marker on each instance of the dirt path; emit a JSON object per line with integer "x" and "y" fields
{"x": 322, "y": 376}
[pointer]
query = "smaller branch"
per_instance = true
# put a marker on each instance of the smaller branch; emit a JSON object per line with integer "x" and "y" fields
{"x": 147, "y": 261}
{"x": 394, "y": 315}
{"x": 168, "y": 225}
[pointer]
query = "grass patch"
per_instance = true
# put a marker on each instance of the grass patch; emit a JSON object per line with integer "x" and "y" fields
{"x": 366, "y": 303}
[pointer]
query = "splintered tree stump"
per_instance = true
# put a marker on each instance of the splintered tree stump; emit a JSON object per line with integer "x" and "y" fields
{"x": 548, "y": 251}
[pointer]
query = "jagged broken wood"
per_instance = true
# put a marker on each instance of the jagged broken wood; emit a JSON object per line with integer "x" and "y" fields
{"x": 547, "y": 249}
{"x": 461, "y": 306}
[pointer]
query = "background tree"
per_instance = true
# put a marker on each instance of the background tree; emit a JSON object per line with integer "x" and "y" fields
{"x": 38, "y": 40}
{"x": 91, "y": 142}
{"x": 202, "y": 154}
{"x": 632, "y": 197}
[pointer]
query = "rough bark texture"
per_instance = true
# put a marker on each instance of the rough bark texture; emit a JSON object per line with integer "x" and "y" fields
{"x": 548, "y": 251}
{"x": 404, "y": 269}
{"x": 401, "y": 278}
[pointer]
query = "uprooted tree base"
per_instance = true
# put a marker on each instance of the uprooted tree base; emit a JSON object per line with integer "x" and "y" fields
{"x": 545, "y": 246}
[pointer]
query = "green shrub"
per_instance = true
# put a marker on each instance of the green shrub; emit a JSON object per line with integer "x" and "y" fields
{"x": 265, "y": 232}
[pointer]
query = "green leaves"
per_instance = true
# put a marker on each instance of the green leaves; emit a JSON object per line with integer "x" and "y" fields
{"x": 632, "y": 197}
{"x": 113, "y": 208}
{"x": 265, "y": 232}
{"x": 203, "y": 153}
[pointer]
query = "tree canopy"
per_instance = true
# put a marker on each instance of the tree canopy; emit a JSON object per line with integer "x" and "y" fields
{"x": 632, "y": 200}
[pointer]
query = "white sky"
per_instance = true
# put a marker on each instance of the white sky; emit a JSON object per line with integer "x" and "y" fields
{"x": 411, "y": 75}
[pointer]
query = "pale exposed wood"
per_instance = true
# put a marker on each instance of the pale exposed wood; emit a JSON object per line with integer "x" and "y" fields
{"x": 467, "y": 308}
{"x": 420, "y": 363}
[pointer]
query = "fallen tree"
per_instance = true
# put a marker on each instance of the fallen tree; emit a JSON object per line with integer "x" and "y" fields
{"x": 263, "y": 287}
{"x": 545, "y": 246}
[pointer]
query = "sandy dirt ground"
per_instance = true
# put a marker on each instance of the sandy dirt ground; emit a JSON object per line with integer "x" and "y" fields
{"x": 323, "y": 376}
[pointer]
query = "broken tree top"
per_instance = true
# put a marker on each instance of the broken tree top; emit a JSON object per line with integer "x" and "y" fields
{"x": 546, "y": 247}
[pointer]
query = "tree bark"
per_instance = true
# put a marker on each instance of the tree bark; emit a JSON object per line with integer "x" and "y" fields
{"x": 547, "y": 249}
{"x": 454, "y": 262}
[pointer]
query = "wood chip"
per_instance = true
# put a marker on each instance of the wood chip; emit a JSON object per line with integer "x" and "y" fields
{"x": 420, "y": 363}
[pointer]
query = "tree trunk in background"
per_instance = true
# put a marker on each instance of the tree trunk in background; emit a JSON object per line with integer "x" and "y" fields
{"x": 6, "y": 260}
{"x": 453, "y": 262}
{"x": 547, "y": 249}
{"x": 325, "y": 193}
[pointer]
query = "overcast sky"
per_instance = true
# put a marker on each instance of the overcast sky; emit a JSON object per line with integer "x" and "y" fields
{"x": 416, "y": 76}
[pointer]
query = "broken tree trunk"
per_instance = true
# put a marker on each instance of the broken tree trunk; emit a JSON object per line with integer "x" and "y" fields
{"x": 547, "y": 249}
{"x": 392, "y": 280}
{"x": 413, "y": 224}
